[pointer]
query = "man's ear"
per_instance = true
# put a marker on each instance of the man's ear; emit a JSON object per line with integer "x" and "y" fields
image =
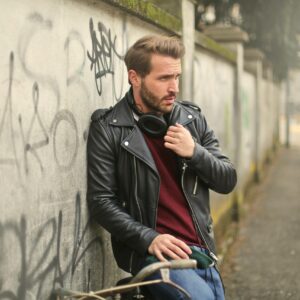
{"x": 134, "y": 78}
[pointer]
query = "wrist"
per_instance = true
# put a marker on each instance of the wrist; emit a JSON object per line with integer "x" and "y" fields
{"x": 191, "y": 154}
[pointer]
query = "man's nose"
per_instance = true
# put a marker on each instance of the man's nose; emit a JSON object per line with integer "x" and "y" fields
{"x": 174, "y": 85}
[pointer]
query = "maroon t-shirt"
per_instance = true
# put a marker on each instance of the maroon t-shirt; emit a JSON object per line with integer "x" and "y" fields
{"x": 173, "y": 215}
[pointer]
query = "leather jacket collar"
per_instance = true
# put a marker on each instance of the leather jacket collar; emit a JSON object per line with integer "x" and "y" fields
{"x": 123, "y": 116}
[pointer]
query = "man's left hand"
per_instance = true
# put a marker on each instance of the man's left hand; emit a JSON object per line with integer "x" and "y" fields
{"x": 179, "y": 140}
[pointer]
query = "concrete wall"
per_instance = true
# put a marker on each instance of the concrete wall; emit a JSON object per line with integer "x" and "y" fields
{"x": 294, "y": 96}
{"x": 248, "y": 123}
{"x": 214, "y": 94}
{"x": 59, "y": 61}
{"x": 294, "y": 107}
{"x": 267, "y": 117}
{"x": 50, "y": 54}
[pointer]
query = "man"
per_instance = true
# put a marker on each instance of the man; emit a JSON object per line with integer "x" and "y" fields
{"x": 151, "y": 162}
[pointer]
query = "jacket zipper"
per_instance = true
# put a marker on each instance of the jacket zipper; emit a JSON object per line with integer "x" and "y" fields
{"x": 195, "y": 186}
{"x": 215, "y": 258}
{"x": 135, "y": 190}
{"x": 139, "y": 209}
{"x": 156, "y": 207}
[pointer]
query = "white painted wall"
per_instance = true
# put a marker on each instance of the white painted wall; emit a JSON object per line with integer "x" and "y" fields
{"x": 48, "y": 92}
{"x": 294, "y": 107}
{"x": 188, "y": 24}
{"x": 248, "y": 124}
{"x": 213, "y": 92}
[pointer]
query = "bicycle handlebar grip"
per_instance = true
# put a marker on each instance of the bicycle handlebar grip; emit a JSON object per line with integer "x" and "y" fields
{"x": 171, "y": 264}
{"x": 183, "y": 264}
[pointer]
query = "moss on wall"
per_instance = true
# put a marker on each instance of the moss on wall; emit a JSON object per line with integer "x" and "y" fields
{"x": 211, "y": 45}
{"x": 150, "y": 12}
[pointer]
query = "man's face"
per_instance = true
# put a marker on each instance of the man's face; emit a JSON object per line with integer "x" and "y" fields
{"x": 159, "y": 88}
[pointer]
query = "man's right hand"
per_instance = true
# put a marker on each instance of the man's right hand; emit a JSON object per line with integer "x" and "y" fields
{"x": 166, "y": 245}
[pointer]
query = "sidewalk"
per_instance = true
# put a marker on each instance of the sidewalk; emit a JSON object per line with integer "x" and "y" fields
{"x": 264, "y": 262}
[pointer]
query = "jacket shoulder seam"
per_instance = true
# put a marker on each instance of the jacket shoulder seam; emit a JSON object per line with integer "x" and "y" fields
{"x": 100, "y": 113}
{"x": 190, "y": 105}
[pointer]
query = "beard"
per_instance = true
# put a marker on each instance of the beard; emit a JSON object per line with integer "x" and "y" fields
{"x": 152, "y": 102}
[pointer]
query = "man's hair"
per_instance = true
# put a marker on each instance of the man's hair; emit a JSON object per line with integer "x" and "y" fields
{"x": 138, "y": 56}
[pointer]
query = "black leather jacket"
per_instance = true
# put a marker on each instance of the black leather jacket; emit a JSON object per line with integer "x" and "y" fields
{"x": 123, "y": 182}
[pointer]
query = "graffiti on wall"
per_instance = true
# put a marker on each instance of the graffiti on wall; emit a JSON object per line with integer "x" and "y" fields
{"x": 45, "y": 257}
{"x": 32, "y": 143}
{"x": 104, "y": 56}
{"x": 35, "y": 267}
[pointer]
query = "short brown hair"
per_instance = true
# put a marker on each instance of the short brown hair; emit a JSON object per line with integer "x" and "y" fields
{"x": 138, "y": 56}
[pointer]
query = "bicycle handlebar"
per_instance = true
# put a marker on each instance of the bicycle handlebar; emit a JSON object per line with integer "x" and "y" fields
{"x": 63, "y": 293}
{"x": 171, "y": 264}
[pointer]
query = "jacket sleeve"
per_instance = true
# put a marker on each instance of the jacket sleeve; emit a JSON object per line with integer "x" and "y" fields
{"x": 214, "y": 168}
{"x": 102, "y": 192}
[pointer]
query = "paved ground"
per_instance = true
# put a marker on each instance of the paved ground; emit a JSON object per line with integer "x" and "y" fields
{"x": 264, "y": 262}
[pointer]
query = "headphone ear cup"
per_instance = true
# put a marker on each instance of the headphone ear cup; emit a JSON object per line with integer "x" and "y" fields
{"x": 153, "y": 125}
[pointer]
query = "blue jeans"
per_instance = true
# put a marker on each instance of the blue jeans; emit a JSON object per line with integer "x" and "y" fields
{"x": 201, "y": 284}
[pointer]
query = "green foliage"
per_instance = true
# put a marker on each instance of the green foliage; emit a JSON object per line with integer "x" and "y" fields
{"x": 272, "y": 26}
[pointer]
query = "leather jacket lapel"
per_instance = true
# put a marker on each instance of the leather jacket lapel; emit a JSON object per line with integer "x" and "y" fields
{"x": 134, "y": 142}
{"x": 181, "y": 115}
{"x": 136, "y": 145}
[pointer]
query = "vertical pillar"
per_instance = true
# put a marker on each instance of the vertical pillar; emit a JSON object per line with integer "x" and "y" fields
{"x": 188, "y": 38}
{"x": 274, "y": 105}
{"x": 234, "y": 38}
{"x": 255, "y": 57}
{"x": 287, "y": 111}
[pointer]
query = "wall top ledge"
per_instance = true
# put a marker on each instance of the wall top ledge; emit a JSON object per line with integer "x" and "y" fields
{"x": 226, "y": 34}
{"x": 213, "y": 46}
{"x": 253, "y": 54}
{"x": 149, "y": 12}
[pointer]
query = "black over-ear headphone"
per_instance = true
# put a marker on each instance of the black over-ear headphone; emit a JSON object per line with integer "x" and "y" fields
{"x": 150, "y": 123}
{"x": 153, "y": 124}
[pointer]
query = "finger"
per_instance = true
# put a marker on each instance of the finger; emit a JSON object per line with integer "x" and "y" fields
{"x": 172, "y": 254}
{"x": 179, "y": 133}
{"x": 170, "y": 146}
{"x": 182, "y": 245}
{"x": 170, "y": 139}
{"x": 171, "y": 133}
{"x": 177, "y": 253}
{"x": 171, "y": 251}
{"x": 173, "y": 128}
{"x": 179, "y": 247}
{"x": 159, "y": 255}
{"x": 180, "y": 128}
